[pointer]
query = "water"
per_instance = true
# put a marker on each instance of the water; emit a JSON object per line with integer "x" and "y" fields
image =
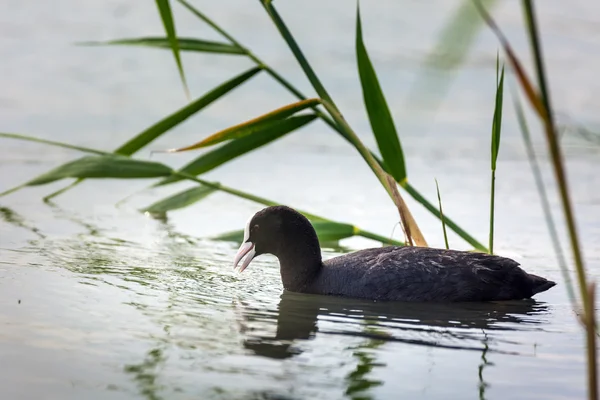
{"x": 100, "y": 301}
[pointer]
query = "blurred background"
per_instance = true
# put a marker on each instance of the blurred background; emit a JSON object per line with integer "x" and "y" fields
{"x": 104, "y": 287}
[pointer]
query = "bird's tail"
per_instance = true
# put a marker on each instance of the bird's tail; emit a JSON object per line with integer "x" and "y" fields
{"x": 539, "y": 284}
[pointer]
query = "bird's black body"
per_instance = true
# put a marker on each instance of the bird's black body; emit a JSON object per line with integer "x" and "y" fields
{"x": 425, "y": 274}
{"x": 387, "y": 273}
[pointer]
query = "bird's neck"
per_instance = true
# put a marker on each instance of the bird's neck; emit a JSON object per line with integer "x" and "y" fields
{"x": 300, "y": 265}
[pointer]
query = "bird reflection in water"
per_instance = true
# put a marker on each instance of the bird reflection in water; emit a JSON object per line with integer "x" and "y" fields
{"x": 461, "y": 326}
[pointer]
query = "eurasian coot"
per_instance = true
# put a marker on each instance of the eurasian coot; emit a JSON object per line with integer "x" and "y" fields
{"x": 389, "y": 273}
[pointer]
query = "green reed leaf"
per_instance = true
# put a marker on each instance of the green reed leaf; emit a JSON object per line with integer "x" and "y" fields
{"x": 184, "y": 44}
{"x": 437, "y": 188}
{"x": 179, "y": 200}
{"x": 164, "y": 125}
{"x": 233, "y": 236}
{"x": 166, "y": 15}
{"x": 497, "y": 120}
{"x": 109, "y": 166}
{"x": 378, "y": 111}
{"x": 269, "y": 132}
{"x": 51, "y": 143}
{"x": 449, "y": 222}
{"x": 327, "y": 231}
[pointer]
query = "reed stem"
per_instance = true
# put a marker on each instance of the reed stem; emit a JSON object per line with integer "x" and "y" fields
{"x": 492, "y": 203}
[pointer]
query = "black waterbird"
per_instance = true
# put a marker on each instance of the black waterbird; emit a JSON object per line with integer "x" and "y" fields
{"x": 390, "y": 273}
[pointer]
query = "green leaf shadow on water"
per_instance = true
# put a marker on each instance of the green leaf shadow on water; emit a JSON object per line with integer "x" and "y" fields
{"x": 146, "y": 373}
{"x": 12, "y": 217}
{"x": 358, "y": 381}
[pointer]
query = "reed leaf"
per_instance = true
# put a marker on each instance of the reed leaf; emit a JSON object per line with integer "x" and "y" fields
{"x": 379, "y": 238}
{"x": 378, "y": 111}
{"x": 497, "y": 119}
{"x": 184, "y": 44}
{"x": 252, "y": 126}
{"x": 437, "y": 188}
{"x": 155, "y": 131}
{"x": 272, "y": 130}
{"x": 328, "y": 231}
{"x": 51, "y": 143}
{"x": 233, "y": 236}
{"x": 179, "y": 200}
{"x": 496, "y": 130}
{"x": 164, "y": 9}
{"x": 107, "y": 166}
{"x": 46, "y": 142}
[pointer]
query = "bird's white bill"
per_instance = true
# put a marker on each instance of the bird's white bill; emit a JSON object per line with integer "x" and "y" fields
{"x": 247, "y": 248}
